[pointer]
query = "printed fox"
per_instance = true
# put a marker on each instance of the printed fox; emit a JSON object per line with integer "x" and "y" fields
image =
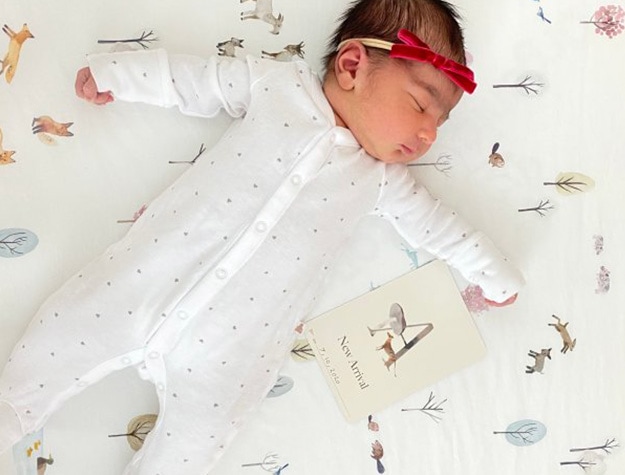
{"x": 5, "y": 155}
{"x": 9, "y": 63}
{"x": 46, "y": 124}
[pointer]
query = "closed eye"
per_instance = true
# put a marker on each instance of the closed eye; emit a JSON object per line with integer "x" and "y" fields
{"x": 418, "y": 105}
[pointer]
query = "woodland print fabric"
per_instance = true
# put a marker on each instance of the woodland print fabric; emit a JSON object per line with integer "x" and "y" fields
{"x": 533, "y": 158}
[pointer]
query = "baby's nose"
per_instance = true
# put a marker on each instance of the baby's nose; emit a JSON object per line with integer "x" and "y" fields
{"x": 427, "y": 135}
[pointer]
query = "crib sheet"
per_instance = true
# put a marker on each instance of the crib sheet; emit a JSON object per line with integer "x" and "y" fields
{"x": 534, "y": 158}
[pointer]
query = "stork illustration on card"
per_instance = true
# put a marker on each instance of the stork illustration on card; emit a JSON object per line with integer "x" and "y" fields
{"x": 396, "y": 322}
{"x": 395, "y": 340}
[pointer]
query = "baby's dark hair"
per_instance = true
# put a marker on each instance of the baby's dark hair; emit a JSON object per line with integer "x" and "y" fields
{"x": 434, "y": 21}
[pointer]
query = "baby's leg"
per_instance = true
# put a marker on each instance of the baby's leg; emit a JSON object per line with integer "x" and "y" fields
{"x": 212, "y": 384}
{"x": 95, "y": 324}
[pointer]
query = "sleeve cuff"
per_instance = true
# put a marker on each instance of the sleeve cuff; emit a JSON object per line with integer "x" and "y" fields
{"x": 134, "y": 76}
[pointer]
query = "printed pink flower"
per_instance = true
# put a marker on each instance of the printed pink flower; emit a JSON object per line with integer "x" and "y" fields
{"x": 474, "y": 299}
{"x": 609, "y": 20}
{"x": 603, "y": 281}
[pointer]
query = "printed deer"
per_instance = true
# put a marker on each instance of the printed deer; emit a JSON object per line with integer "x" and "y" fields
{"x": 5, "y": 155}
{"x": 287, "y": 53}
{"x": 227, "y": 48}
{"x": 388, "y": 349}
{"x": 9, "y": 63}
{"x": 46, "y": 124}
{"x": 568, "y": 344}
{"x": 539, "y": 363}
{"x": 263, "y": 10}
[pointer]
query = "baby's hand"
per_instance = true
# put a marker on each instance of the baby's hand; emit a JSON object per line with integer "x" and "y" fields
{"x": 510, "y": 301}
{"x": 87, "y": 89}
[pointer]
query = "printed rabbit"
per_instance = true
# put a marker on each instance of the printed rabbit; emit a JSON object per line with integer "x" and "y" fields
{"x": 568, "y": 343}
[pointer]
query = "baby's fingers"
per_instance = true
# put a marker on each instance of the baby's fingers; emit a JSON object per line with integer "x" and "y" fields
{"x": 510, "y": 301}
{"x": 87, "y": 89}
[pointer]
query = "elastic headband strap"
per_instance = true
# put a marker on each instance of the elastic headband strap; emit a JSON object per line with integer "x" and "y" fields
{"x": 412, "y": 48}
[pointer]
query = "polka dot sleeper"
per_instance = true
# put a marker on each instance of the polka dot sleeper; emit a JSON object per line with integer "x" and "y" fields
{"x": 203, "y": 293}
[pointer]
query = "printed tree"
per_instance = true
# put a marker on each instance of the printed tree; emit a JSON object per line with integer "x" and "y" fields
{"x": 609, "y": 20}
{"x": 524, "y": 432}
{"x": 15, "y": 242}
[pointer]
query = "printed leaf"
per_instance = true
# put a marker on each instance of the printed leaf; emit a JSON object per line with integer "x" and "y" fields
{"x": 302, "y": 351}
{"x": 568, "y": 183}
{"x": 15, "y": 242}
{"x": 138, "y": 429}
{"x": 282, "y": 386}
{"x": 46, "y": 139}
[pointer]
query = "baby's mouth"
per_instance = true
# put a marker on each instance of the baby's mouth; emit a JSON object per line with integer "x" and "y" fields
{"x": 407, "y": 150}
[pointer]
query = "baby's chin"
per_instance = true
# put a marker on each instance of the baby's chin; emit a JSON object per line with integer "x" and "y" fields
{"x": 396, "y": 156}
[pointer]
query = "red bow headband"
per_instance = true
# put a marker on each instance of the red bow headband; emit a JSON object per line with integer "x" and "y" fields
{"x": 411, "y": 47}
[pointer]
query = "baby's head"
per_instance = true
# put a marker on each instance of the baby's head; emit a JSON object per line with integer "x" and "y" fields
{"x": 393, "y": 106}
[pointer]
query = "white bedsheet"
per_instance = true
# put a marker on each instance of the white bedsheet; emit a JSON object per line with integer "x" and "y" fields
{"x": 68, "y": 194}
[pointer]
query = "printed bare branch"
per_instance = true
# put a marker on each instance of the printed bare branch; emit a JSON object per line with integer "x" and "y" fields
{"x": 528, "y": 85}
{"x": 202, "y": 150}
{"x": 609, "y": 445}
{"x": 143, "y": 40}
{"x": 271, "y": 463}
{"x": 442, "y": 164}
{"x": 541, "y": 209}
{"x": 430, "y": 408}
{"x": 582, "y": 463}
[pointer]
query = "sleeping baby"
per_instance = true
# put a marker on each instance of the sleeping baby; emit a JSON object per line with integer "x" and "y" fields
{"x": 203, "y": 293}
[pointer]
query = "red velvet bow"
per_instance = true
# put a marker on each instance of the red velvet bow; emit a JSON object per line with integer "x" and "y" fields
{"x": 413, "y": 48}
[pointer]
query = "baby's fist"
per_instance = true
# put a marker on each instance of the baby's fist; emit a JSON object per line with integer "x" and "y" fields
{"x": 87, "y": 89}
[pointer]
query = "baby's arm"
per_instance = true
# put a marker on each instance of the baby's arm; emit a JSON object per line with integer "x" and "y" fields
{"x": 425, "y": 223}
{"x": 197, "y": 86}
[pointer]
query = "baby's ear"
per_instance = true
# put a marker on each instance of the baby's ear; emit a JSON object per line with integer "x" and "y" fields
{"x": 351, "y": 59}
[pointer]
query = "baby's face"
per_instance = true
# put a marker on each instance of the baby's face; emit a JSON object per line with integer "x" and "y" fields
{"x": 399, "y": 109}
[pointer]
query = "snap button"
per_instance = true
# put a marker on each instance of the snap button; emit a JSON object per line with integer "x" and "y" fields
{"x": 160, "y": 387}
{"x": 296, "y": 179}
{"x": 261, "y": 226}
{"x": 154, "y": 354}
{"x": 221, "y": 273}
{"x": 182, "y": 315}
{"x": 81, "y": 384}
{"x": 126, "y": 360}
